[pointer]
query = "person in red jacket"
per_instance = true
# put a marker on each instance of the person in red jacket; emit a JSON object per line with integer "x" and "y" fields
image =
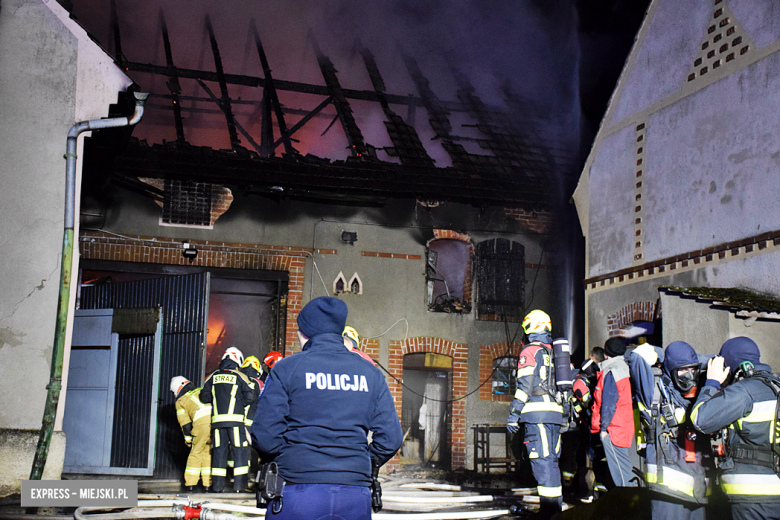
{"x": 613, "y": 413}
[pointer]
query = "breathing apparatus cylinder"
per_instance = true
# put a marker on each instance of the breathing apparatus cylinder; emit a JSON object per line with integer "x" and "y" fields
{"x": 562, "y": 361}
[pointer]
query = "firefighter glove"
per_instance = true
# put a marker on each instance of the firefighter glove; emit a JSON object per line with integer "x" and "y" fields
{"x": 511, "y": 423}
{"x": 188, "y": 440}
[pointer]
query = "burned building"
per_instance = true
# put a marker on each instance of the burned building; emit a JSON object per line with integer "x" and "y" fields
{"x": 212, "y": 225}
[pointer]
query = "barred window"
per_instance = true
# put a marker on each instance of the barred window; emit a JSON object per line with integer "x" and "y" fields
{"x": 500, "y": 280}
{"x": 187, "y": 203}
{"x": 504, "y": 380}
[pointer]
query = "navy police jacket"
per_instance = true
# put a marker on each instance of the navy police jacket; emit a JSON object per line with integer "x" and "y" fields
{"x": 315, "y": 413}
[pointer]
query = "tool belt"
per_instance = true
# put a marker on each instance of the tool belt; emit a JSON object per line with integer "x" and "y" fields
{"x": 269, "y": 487}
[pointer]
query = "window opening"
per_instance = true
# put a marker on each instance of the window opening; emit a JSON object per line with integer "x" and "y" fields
{"x": 500, "y": 280}
{"x": 187, "y": 203}
{"x": 448, "y": 275}
{"x": 504, "y": 380}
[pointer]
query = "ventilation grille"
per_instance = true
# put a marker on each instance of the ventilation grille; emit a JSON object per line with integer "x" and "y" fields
{"x": 724, "y": 42}
{"x": 187, "y": 203}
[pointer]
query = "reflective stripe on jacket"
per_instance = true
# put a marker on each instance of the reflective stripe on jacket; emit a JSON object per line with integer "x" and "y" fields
{"x": 747, "y": 408}
{"x": 534, "y": 368}
{"x": 190, "y": 409}
{"x": 230, "y": 394}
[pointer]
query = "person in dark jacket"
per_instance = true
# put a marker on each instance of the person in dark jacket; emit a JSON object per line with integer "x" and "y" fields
{"x": 678, "y": 459}
{"x": 317, "y": 409}
{"x": 230, "y": 395}
{"x": 747, "y": 407}
{"x": 613, "y": 412}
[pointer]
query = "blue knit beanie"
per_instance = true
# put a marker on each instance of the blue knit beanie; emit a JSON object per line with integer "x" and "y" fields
{"x": 739, "y": 349}
{"x": 323, "y": 315}
{"x": 679, "y": 354}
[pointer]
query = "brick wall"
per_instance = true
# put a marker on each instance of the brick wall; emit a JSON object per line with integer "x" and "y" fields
{"x": 637, "y": 311}
{"x": 456, "y": 436}
{"x": 96, "y": 245}
{"x": 487, "y": 353}
{"x": 534, "y": 220}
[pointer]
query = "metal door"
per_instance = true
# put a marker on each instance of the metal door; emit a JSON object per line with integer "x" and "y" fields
{"x": 184, "y": 303}
{"x": 94, "y": 414}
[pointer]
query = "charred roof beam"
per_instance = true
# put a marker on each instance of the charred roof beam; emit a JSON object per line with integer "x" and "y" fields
{"x": 229, "y": 115}
{"x": 305, "y": 119}
{"x": 225, "y": 101}
{"x": 273, "y": 98}
{"x": 173, "y": 81}
{"x": 406, "y": 143}
{"x": 357, "y": 146}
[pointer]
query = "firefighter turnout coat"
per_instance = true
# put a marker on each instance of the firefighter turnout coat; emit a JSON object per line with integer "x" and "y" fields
{"x": 536, "y": 386}
{"x": 195, "y": 420}
{"x": 748, "y": 408}
{"x": 230, "y": 393}
{"x": 678, "y": 457}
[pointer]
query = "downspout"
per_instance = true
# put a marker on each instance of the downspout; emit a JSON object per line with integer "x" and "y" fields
{"x": 55, "y": 380}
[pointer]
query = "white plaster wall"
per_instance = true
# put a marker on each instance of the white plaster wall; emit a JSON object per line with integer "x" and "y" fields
{"x": 659, "y": 66}
{"x": 760, "y": 19}
{"x": 611, "y": 216}
{"x": 45, "y": 87}
{"x": 712, "y": 164}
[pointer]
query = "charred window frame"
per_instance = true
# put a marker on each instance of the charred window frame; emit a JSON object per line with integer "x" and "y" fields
{"x": 504, "y": 380}
{"x": 448, "y": 276}
{"x": 187, "y": 204}
{"x": 500, "y": 280}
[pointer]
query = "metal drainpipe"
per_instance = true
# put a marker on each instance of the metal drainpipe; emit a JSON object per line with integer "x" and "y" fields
{"x": 55, "y": 381}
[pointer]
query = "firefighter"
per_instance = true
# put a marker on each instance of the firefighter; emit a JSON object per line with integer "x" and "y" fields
{"x": 229, "y": 392}
{"x": 253, "y": 371}
{"x": 535, "y": 407}
{"x": 269, "y": 361}
{"x": 352, "y": 342}
{"x": 195, "y": 420}
{"x": 741, "y": 394}
{"x": 677, "y": 458}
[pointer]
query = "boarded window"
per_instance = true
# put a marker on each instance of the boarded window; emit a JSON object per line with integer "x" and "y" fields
{"x": 504, "y": 380}
{"x": 500, "y": 280}
{"x": 187, "y": 203}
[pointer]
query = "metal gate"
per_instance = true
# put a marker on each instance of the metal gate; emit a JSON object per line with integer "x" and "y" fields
{"x": 184, "y": 303}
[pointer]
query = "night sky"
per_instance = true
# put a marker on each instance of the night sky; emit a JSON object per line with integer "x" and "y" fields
{"x": 561, "y": 57}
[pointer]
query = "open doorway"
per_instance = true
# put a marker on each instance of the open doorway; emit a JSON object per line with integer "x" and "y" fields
{"x": 426, "y": 410}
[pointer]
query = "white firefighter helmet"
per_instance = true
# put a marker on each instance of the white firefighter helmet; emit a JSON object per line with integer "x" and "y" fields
{"x": 177, "y": 383}
{"x": 234, "y": 354}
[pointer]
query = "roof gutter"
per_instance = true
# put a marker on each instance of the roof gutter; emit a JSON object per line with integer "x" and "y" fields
{"x": 55, "y": 381}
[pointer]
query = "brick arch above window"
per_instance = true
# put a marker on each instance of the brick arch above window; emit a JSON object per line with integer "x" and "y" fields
{"x": 631, "y": 313}
{"x": 487, "y": 354}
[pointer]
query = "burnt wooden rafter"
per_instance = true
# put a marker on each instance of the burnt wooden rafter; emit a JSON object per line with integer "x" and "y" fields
{"x": 357, "y": 145}
{"x": 173, "y": 81}
{"x": 228, "y": 114}
{"x": 225, "y": 100}
{"x": 272, "y": 99}
{"x": 406, "y": 143}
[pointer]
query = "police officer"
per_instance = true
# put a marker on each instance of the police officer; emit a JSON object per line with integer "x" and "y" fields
{"x": 229, "y": 393}
{"x": 317, "y": 408}
{"x": 747, "y": 406}
{"x": 677, "y": 457}
{"x": 534, "y": 406}
{"x": 195, "y": 420}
